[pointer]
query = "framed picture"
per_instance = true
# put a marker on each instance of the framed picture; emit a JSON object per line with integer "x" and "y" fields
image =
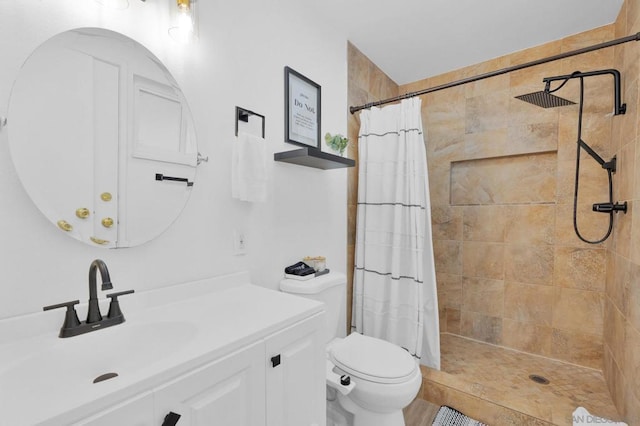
{"x": 301, "y": 109}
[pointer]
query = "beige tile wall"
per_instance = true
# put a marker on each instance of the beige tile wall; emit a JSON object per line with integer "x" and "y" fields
{"x": 509, "y": 267}
{"x": 621, "y": 317}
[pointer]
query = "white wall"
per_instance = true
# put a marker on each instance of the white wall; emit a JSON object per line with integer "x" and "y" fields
{"x": 238, "y": 60}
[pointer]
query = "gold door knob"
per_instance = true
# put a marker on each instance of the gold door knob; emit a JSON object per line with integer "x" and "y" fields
{"x": 99, "y": 241}
{"x": 65, "y": 226}
{"x": 107, "y": 222}
{"x": 106, "y": 196}
{"x": 83, "y": 213}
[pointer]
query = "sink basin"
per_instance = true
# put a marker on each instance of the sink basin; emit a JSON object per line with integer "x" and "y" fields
{"x": 70, "y": 365}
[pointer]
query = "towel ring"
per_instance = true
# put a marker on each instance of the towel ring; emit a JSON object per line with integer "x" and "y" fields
{"x": 242, "y": 114}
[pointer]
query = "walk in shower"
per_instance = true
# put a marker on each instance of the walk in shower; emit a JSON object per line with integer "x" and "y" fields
{"x": 520, "y": 294}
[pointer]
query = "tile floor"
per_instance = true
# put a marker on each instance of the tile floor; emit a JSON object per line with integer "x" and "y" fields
{"x": 499, "y": 376}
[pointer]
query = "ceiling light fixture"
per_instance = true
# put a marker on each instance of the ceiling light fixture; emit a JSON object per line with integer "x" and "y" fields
{"x": 183, "y": 21}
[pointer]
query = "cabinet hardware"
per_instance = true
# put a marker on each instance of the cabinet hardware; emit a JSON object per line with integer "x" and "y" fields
{"x": 171, "y": 419}
{"x": 65, "y": 226}
{"x": 99, "y": 241}
{"x": 83, "y": 212}
{"x": 275, "y": 360}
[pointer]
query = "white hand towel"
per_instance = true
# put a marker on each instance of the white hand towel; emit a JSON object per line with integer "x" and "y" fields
{"x": 249, "y": 168}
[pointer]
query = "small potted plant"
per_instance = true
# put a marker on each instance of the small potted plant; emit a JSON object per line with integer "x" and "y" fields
{"x": 337, "y": 142}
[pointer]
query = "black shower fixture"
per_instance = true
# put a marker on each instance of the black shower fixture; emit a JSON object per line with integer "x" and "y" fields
{"x": 610, "y": 207}
{"x": 618, "y": 107}
{"x": 546, "y": 99}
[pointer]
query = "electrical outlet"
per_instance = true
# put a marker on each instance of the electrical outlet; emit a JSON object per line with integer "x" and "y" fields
{"x": 240, "y": 242}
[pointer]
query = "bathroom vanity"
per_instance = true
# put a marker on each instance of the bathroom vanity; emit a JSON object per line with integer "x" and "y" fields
{"x": 218, "y": 351}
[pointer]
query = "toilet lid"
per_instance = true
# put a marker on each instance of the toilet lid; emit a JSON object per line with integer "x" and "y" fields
{"x": 373, "y": 359}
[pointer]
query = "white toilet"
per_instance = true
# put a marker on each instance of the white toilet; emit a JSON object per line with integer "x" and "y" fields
{"x": 383, "y": 378}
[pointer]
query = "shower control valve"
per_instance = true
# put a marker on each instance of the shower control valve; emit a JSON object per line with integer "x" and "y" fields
{"x": 610, "y": 207}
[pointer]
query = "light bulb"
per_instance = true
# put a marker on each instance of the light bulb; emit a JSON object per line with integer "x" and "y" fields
{"x": 183, "y": 29}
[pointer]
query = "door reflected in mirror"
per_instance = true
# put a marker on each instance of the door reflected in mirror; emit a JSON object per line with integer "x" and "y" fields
{"x": 93, "y": 118}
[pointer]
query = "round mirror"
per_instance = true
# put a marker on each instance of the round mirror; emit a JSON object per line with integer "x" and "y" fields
{"x": 102, "y": 138}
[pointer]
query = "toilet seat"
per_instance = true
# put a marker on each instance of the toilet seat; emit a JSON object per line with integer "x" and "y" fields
{"x": 373, "y": 359}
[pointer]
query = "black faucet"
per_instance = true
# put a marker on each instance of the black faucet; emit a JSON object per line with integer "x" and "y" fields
{"x": 72, "y": 325}
{"x": 94, "y": 315}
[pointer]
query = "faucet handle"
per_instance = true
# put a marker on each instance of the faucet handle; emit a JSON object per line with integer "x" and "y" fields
{"x": 114, "y": 306}
{"x": 71, "y": 317}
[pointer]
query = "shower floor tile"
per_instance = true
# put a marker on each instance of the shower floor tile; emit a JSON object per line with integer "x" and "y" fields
{"x": 500, "y": 376}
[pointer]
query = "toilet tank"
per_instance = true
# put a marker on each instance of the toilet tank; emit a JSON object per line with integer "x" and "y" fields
{"x": 330, "y": 289}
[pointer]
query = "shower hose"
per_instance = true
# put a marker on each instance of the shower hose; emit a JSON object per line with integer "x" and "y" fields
{"x": 575, "y": 193}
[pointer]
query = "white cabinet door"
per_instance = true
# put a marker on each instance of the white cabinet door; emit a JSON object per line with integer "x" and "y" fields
{"x": 133, "y": 412}
{"x": 227, "y": 392}
{"x": 295, "y": 375}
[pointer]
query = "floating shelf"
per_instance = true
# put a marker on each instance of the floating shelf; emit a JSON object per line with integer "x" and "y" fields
{"x": 313, "y": 157}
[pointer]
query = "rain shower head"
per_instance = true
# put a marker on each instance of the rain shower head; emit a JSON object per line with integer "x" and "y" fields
{"x": 545, "y": 99}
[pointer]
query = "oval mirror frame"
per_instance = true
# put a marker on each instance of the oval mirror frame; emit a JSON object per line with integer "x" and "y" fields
{"x": 102, "y": 138}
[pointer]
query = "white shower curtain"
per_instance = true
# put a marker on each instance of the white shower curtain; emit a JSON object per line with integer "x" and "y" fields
{"x": 394, "y": 294}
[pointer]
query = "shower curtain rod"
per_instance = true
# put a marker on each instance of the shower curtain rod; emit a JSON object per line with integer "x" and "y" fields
{"x": 615, "y": 42}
